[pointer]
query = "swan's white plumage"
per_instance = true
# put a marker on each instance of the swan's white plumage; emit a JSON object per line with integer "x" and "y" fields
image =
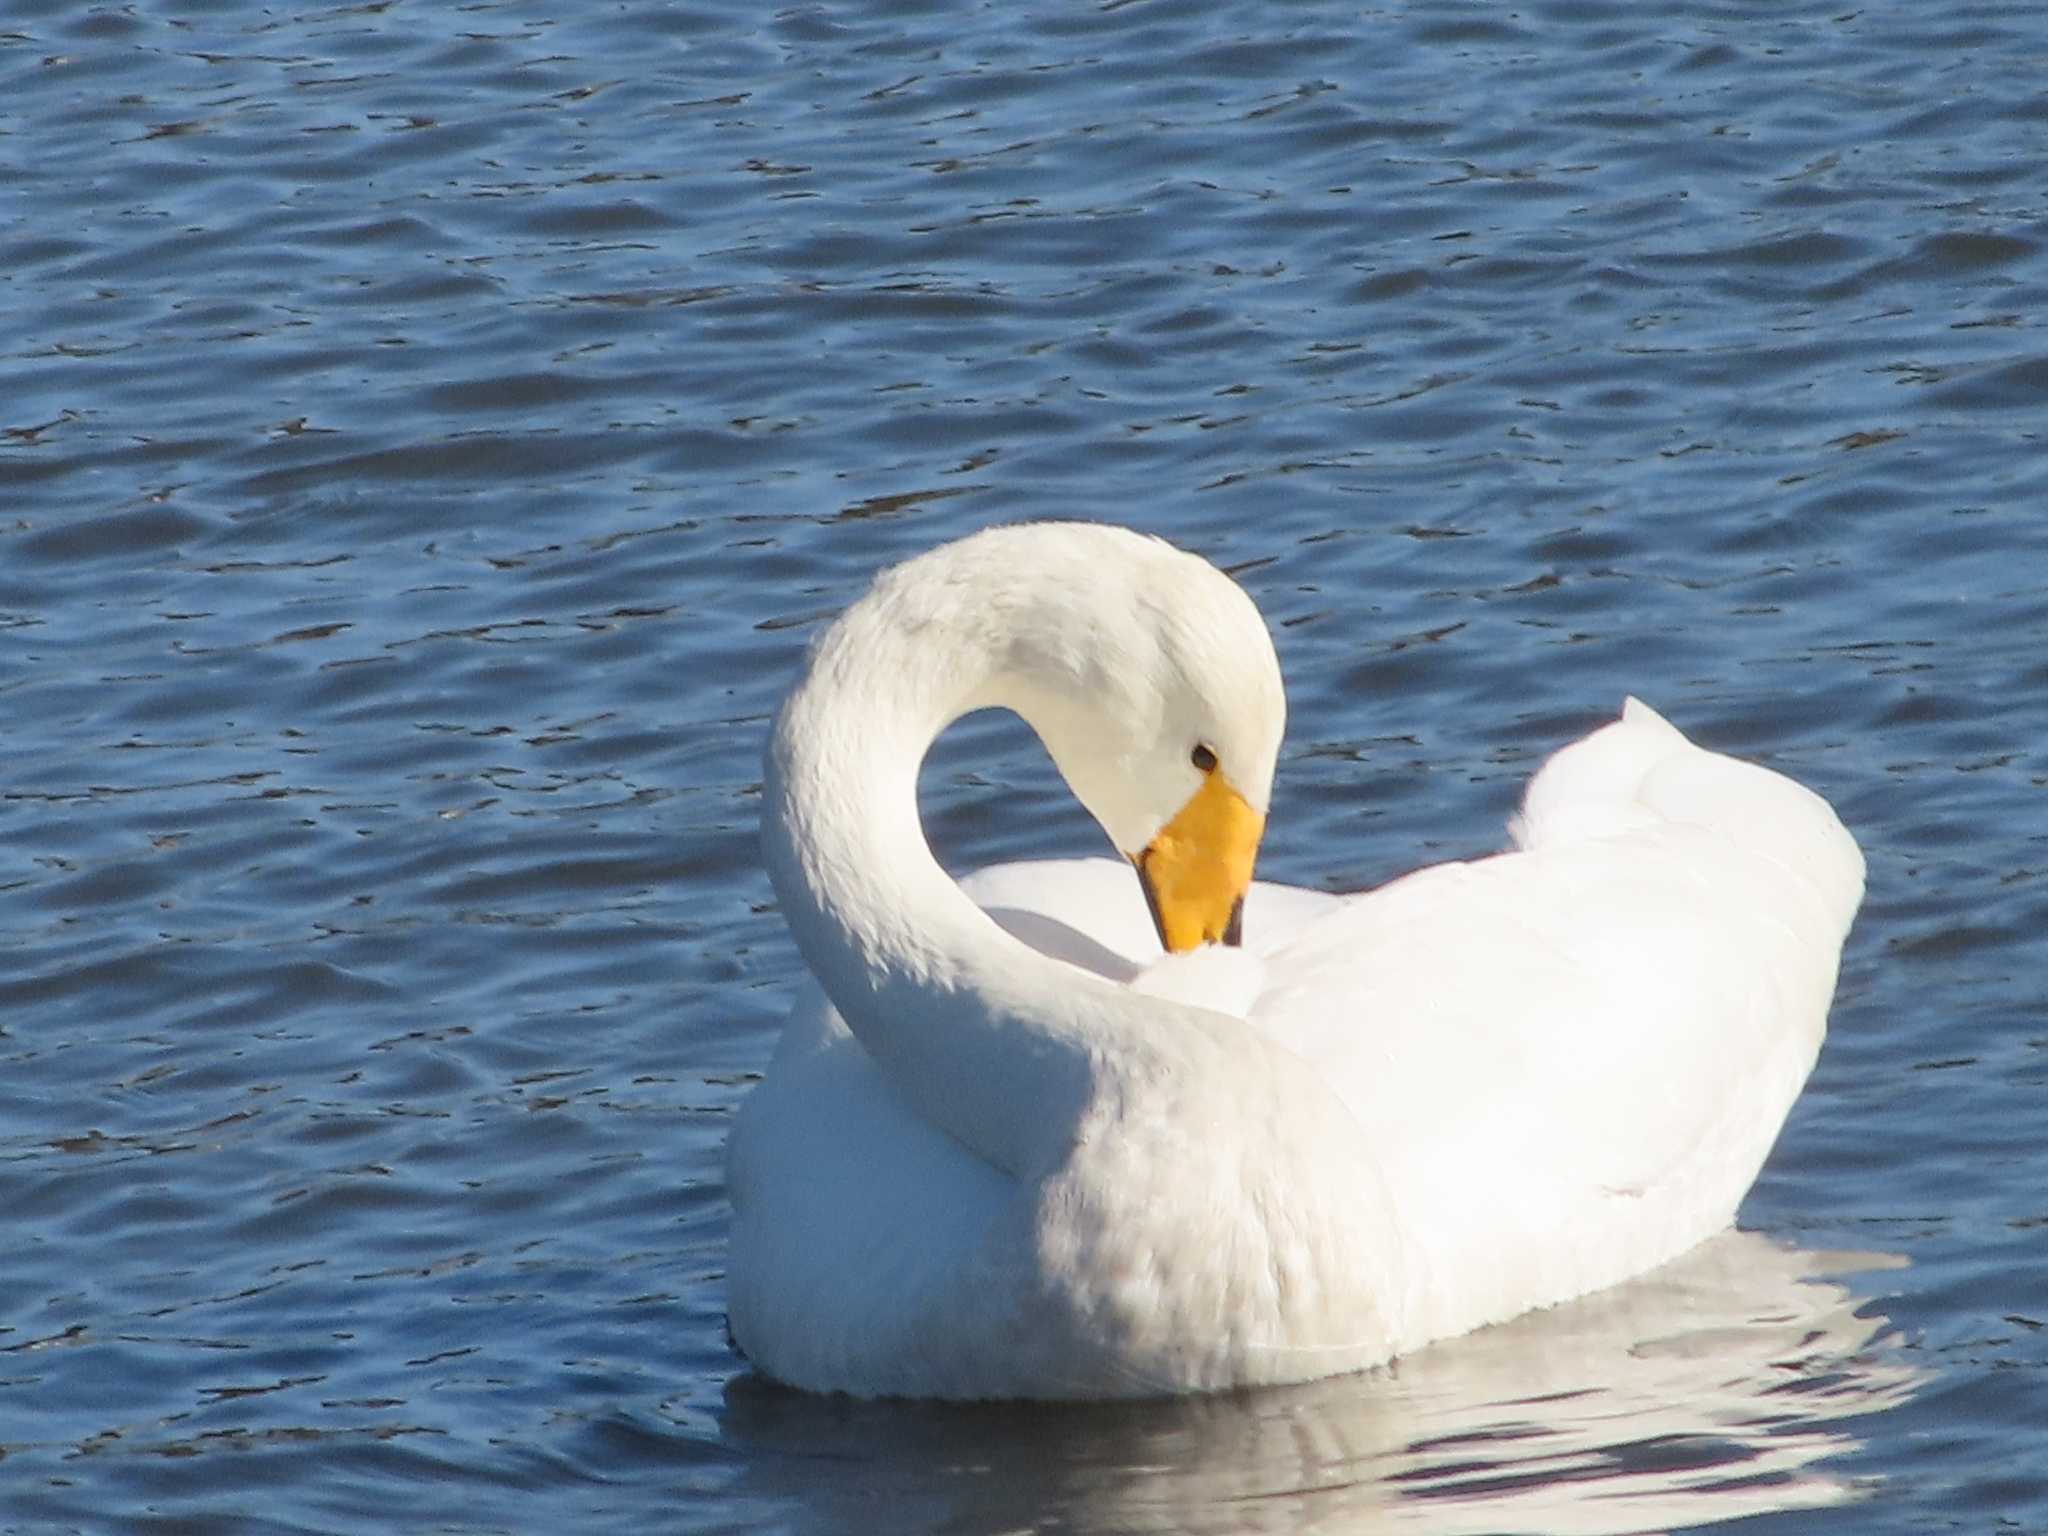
{"x": 1026, "y": 1155}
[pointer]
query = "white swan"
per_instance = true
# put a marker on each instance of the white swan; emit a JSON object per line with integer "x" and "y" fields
{"x": 1015, "y": 1157}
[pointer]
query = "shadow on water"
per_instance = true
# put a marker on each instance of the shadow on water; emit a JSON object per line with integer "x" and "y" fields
{"x": 1724, "y": 1385}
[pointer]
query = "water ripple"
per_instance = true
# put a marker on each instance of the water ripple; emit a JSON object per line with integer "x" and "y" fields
{"x": 428, "y": 436}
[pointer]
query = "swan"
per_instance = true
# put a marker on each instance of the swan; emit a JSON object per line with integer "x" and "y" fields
{"x": 1136, "y": 1127}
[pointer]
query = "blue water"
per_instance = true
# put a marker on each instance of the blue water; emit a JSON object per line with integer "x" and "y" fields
{"x": 428, "y": 434}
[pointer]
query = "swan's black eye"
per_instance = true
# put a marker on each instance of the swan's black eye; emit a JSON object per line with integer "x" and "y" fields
{"x": 1203, "y": 758}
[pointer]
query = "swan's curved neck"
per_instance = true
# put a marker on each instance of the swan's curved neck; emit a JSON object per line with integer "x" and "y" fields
{"x": 990, "y": 1041}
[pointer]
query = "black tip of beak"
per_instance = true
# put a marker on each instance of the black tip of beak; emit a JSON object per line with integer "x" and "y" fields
{"x": 1151, "y": 897}
{"x": 1234, "y": 933}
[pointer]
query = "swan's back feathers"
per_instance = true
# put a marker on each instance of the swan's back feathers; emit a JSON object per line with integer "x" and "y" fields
{"x": 1572, "y": 1059}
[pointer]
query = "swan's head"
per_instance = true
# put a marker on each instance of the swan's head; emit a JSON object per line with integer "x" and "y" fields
{"x": 1151, "y": 679}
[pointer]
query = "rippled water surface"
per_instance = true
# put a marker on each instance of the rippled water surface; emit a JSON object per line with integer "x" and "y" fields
{"x": 428, "y": 434}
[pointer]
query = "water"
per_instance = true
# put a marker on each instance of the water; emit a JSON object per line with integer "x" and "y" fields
{"x": 429, "y": 433}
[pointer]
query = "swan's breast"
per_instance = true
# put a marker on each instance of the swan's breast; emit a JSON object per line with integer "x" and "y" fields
{"x": 1219, "y": 1224}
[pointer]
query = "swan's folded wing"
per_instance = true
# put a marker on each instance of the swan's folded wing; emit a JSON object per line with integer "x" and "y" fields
{"x": 1579, "y": 1054}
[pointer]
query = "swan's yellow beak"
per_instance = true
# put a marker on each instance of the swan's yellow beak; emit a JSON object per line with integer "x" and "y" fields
{"x": 1196, "y": 871}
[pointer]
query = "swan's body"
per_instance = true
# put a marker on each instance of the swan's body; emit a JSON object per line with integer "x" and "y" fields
{"x": 1019, "y": 1155}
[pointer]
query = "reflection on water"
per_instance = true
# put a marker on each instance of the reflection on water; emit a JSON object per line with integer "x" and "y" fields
{"x": 1710, "y": 1390}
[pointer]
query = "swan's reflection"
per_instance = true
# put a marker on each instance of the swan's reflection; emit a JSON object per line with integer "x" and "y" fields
{"x": 1716, "y": 1387}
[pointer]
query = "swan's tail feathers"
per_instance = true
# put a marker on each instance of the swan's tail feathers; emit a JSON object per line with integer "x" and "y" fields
{"x": 1640, "y": 773}
{"x": 1593, "y": 788}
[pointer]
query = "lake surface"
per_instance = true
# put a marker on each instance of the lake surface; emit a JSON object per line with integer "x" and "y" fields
{"x": 429, "y": 434}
